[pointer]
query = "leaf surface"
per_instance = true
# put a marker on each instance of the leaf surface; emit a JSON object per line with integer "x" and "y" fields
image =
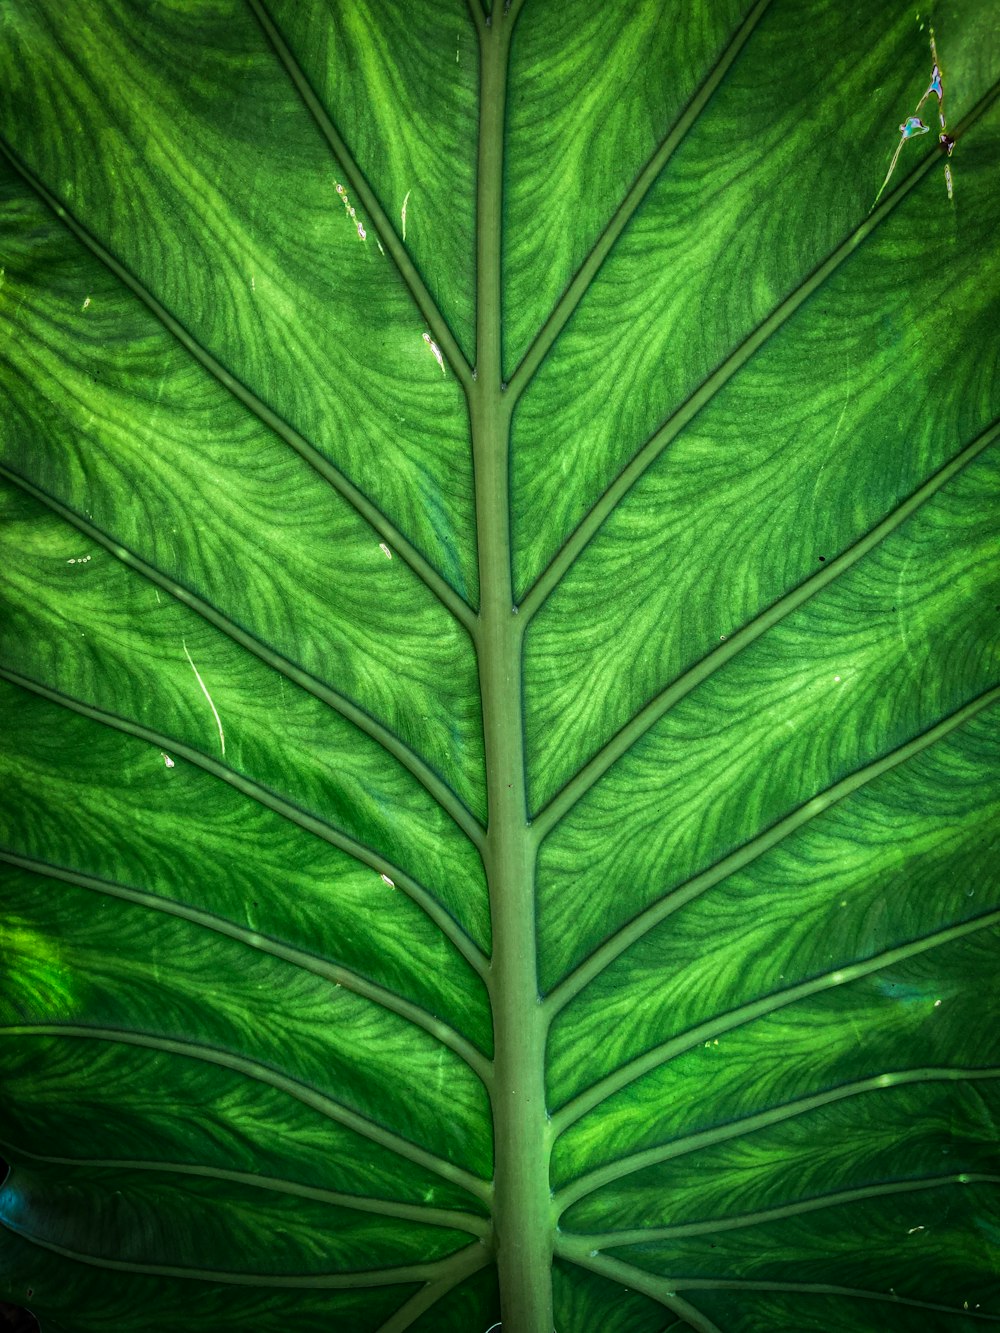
{"x": 499, "y": 666}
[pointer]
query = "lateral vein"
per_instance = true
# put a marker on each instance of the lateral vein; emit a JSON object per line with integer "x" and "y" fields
{"x": 640, "y": 925}
{"x": 588, "y": 527}
{"x": 776, "y": 1115}
{"x": 425, "y": 303}
{"x": 261, "y": 1073}
{"x": 418, "y": 563}
{"x": 647, "y": 717}
{"x": 320, "y": 967}
{"x": 440, "y": 791}
{"x": 446, "y": 923}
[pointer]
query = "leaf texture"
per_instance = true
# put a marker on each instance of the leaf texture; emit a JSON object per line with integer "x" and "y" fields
{"x": 499, "y": 666}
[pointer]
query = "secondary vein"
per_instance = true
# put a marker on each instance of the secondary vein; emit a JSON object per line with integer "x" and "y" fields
{"x": 585, "y": 275}
{"x": 647, "y": 717}
{"x": 588, "y": 527}
{"x": 446, "y": 923}
{"x": 261, "y": 1073}
{"x": 443, "y": 335}
{"x": 320, "y": 967}
{"x": 358, "y": 501}
{"x": 640, "y": 925}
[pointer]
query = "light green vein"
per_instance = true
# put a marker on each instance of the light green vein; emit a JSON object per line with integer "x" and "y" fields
{"x": 448, "y": 1218}
{"x": 703, "y": 395}
{"x": 585, "y": 275}
{"x": 448, "y": 926}
{"x": 320, "y": 967}
{"x": 422, "y": 567}
{"x": 377, "y": 1277}
{"x": 748, "y": 1013}
{"x": 592, "y": 772}
{"x": 707, "y": 1138}
{"x": 436, "y": 788}
{"x": 478, "y": 15}
{"x": 634, "y": 930}
{"x": 261, "y": 1073}
{"x": 463, "y": 1265}
{"x": 436, "y": 322}
{"x": 642, "y": 1236}
{"x": 635, "y": 1279}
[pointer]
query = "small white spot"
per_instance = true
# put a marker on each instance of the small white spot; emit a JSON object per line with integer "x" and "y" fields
{"x": 253, "y": 283}
{"x": 402, "y": 211}
{"x": 167, "y": 761}
{"x": 912, "y": 1230}
{"x": 936, "y": 1003}
{"x": 386, "y": 880}
{"x": 86, "y": 303}
{"x": 837, "y": 679}
{"x": 350, "y": 210}
{"x": 385, "y": 550}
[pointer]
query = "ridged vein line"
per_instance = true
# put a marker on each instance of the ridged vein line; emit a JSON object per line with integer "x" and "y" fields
{"x": 640, "y": 1236}
{"x": 320, "y": 967}
{"x": 429, "y": 905}
{"x": 720, "y": 377}
{"x": 447, "y": 1218}
{"x": 358, "y": 501}
{"x": 635, "y": 1279}
{"x": 662, "y": 1055}
{"x": 425, "y": 303}
{"x": 439, "y": 791}
{"x": 647, "y": 717}
{"x": 577, "y": 289}
{"x": 463, "y": 1265}
{"x": 689, "y": 1143}
{"x": 261, "y": 1073}
{"x": 318, "y": 1282}
{"x": 632, "y": 931}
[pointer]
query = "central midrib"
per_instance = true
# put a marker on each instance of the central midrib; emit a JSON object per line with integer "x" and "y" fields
{"x": 522, "y": 1212}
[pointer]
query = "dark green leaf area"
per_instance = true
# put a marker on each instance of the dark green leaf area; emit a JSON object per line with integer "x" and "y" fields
{"x": 124, "y": 970}
{"x": 262, "y": 732}
{"x": 297, "y": 891}
{"x": 839, "y": 687}
{"x": 104, "y": 394}
{"x": 70, "y": 1296}
{"x": 474, "y": 1304}
{"x": 243, "y": 238}
{"x": 817, "y": 441}
{"x": 902, "y": 1132}
{"x": 583, "y": 1300}
{"x": 207, "y": 1225}
{"x": 401, "y": 84}
{"x": 142, "y": 1106}
{"x": 743, "y": 1311}
{"x": 898, "y": 872}
{"x": 567, "y": 172}
{"x": 927, "y": 1246}
{"x": 734, "y": 226}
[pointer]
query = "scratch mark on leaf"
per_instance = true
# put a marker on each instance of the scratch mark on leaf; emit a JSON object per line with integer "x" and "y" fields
{"x": 204, "y": 690}
{"x": 402, "y": 211}
{"x": 436, "y": 350}
{"x": 913, "y": 126}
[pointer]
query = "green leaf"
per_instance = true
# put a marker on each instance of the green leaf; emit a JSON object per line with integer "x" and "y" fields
{"x": 499, "y": 666}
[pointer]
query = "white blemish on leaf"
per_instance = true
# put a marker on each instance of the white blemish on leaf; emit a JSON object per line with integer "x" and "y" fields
{"x": 80, "y": 560}
{"x": 350, "y": 210}
{"x": 86, "y": 303}
{"x": 386, "y": 880}
{"x": 385, "y": 550}
{"x": 436, "y": 350}
{"x": 402, "y": 212}
{"x": 167, "y": 761}
{"x": 253, "y": 283}
{"x": 204, "y": 690}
